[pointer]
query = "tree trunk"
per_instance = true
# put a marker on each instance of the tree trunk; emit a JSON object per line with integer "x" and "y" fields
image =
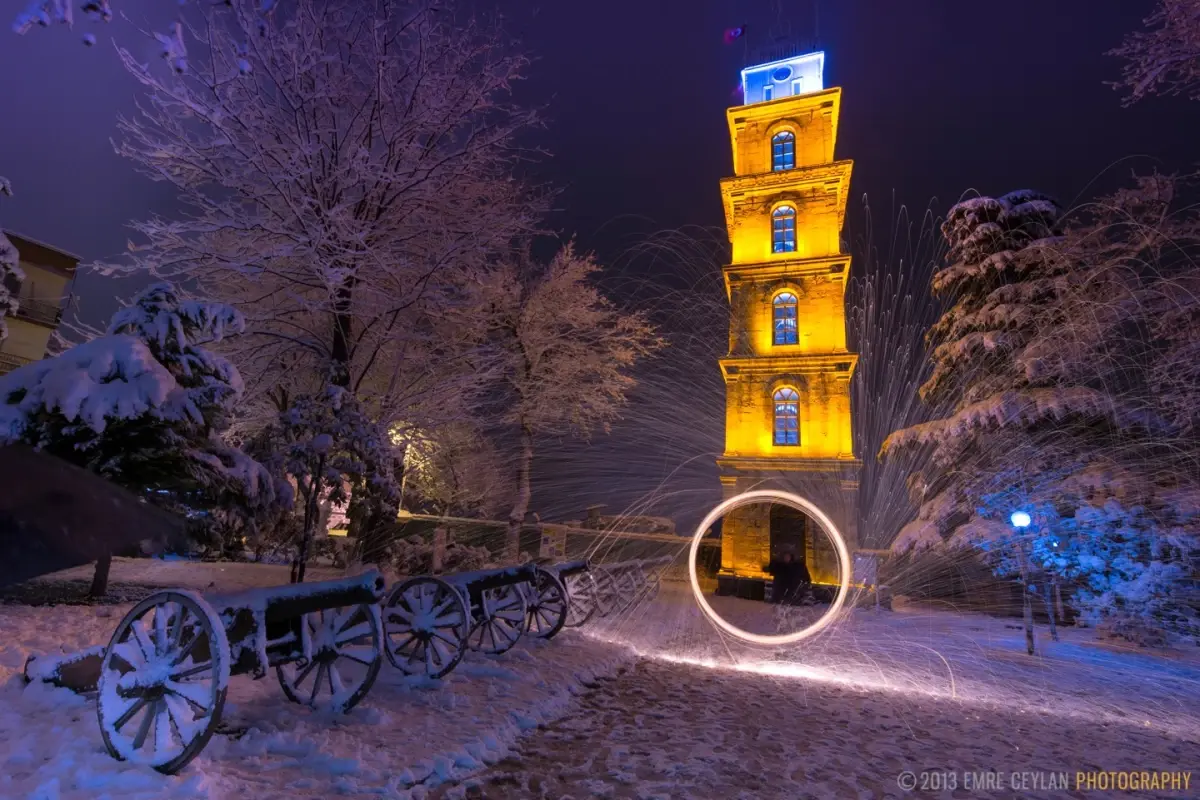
{"x": 1049, "y": 600}
{"x": 312, "y": 514}
{"x": 1026, "y": 603}
{"x": 516, "y": 517}
{"x": 1028, "y": 622}
{"x": 343, "y": 320}
{"x": 100, "y": 576}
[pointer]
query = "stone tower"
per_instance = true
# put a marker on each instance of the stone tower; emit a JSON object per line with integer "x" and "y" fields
{"x": 787, "y": 375}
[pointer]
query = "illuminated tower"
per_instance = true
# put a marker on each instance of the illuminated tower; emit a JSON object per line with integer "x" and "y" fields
{"x": 787, "y": 375}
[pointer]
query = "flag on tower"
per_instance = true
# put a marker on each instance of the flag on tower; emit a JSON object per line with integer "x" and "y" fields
{"x": 734, "y": 33}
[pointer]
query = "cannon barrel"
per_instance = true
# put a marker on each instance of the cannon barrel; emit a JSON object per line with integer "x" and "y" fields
{"x": 568, "y": 568}
{"x": 282, "y": 603}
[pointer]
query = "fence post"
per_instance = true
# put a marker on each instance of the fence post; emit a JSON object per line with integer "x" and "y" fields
{"x": 439, "y": 549}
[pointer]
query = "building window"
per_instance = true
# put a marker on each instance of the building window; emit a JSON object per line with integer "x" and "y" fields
{"x": 785, "y": 318}
{"x": 783, "y": 151}
{"x": 783, "y": 230}
{"x": 787, "y": 417}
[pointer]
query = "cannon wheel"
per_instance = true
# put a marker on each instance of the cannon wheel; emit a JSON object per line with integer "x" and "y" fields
{"x": 630, "y": 584}
{"x": 581, "y": 597}
{"x": 608, "y": 593}
{"x": 163, "y": 680}
{"x": 343, "y": 650}
{"x": 650, "y": 593}
{"x": 425, "y": 622}
{"x": 547, "y": 601}
{"x": 500, "y": 619}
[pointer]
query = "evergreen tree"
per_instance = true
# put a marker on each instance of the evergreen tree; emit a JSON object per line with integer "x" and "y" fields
{"x": 1047, "y": 358}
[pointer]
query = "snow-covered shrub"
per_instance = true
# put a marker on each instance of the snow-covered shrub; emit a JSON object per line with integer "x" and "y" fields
{"x": 145, "y": 406}
{"x": 335, "y": 454}
{"x": 413, "y": 555}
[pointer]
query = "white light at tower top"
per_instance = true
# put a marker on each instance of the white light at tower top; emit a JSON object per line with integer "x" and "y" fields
{"x": 1020, "y": 519}
{"x": 787, "y": 77}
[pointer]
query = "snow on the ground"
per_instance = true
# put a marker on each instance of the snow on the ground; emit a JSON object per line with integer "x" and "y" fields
{"x": 924, "y": 651}
{"x": 698, "y": 715}
{"x": 843, "y": 715}
{"x": 406, "y": 736}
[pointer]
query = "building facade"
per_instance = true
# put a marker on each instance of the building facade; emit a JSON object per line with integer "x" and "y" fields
{"x": 43, "y": 295}
{"x": 787, "y": 376}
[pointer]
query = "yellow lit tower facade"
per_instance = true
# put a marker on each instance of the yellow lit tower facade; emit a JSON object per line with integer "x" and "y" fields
{"x": 787, "y": 375}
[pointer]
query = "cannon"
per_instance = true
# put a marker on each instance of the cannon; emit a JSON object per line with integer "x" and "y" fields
{"x": 622, "y": 585}
{"x": 431, "y": 621}
{"x": 581, "y": 590}
{"x": 162, "y": 678}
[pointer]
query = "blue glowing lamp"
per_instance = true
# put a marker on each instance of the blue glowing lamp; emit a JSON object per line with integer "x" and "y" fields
{"x": 1020, "y": 519}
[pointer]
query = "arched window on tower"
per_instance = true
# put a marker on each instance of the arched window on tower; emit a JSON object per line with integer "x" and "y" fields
{"x": 787, "y": 416}
{"x": 784, "y": 310}
{"x": 783, "y": 151}
{"x": 783, "y": 230}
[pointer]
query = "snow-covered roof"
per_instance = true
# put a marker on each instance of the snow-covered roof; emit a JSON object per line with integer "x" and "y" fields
{"x": 23, "y": 242}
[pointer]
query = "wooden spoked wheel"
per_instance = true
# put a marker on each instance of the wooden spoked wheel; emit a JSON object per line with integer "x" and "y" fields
{"x": 342, "y": 650}
{"x": 605, "y": 592}
{"x": 581, "y": 597}
{"x": 163, "y": 681}
{"x": 500, "y": 619}
{"x": 425, "y": 622}
{"x": 546, "y": 599}
{"x": 630, "y": 584}
{"x": 650, "y": 593}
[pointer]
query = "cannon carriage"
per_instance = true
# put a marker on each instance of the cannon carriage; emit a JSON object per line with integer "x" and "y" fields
{"x": 430, "y": 621}
{"x": 161, "y": 680}
{"x": 621, "y": 585}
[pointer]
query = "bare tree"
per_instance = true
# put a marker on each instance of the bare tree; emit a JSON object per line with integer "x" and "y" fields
{"x": 457, "y": 471}
{"x": 567, "y": 351}
{"x": 347, "y": 166}
{"x": 1164, "y": 58}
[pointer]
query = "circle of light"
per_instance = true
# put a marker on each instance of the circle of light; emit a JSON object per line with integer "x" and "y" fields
{"x": 792, "y": 501}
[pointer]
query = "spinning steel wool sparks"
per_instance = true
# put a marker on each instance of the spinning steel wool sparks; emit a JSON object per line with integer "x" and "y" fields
{"x": 802, "y": 505}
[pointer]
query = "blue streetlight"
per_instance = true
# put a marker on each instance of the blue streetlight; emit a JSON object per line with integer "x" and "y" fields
{"x": 1020, "y": 519}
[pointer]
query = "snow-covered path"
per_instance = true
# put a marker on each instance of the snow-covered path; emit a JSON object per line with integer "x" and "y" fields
{"x": 670, "y": 730}
{"x": 843, "y": 715}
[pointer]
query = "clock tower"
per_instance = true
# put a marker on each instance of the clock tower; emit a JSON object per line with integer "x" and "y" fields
{"x": 787, "y": 375}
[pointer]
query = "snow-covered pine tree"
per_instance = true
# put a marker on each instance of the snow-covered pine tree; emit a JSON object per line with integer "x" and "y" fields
{"x": 153, "y": 426}
{"x": 566, "y": 354}
{"x": 1046, "y": 356}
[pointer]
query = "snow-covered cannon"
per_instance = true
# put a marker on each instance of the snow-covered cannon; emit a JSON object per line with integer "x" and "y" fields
{"x": 163, "y": 676}
{"x": 430, "y": 621}
{"x": 623, "y": 584}
{"x": 577, "y": 579}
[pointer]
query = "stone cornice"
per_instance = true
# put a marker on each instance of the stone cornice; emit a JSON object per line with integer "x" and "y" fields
{"x": 798, "y": 364}
{"x": 732, "y": 465}
{"x": 764, "y": 187}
